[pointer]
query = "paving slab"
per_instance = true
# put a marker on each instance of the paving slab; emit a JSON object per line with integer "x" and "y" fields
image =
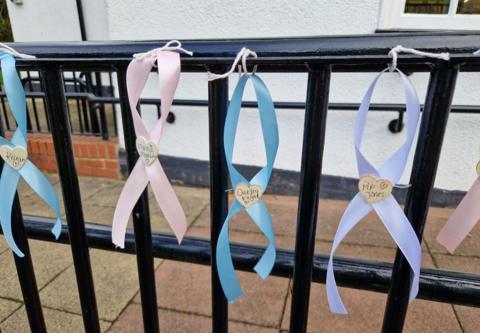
{"x": 251, "y": 238}
{"x": 116, "y": 283}
{"x": 7, "y": 308}
{"x": 193, "y": 201}
{"x": 186, "y": 288}
{"x": 171, "y": 321}
{"x": 366, "y": 314}
{"x": 49, "y": 259}
{"x": 56, "y": 322}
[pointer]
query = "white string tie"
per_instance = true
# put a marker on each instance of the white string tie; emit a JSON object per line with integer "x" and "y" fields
{"x": 241, "y": 56}
{"x": 173, "y": 45}
{"x": 400, "y": 49}
{"x": 9, "y": 50}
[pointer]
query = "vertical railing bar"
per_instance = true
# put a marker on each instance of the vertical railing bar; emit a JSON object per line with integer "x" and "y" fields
{"x": 141, "y": 220}
{"x": 61, "y": 133}
{"x": 5, "y": 113}
{"x": 24, "y": 266}
{"x": 217, "y": 111}
{"x": 312, "y": 155}
{"x": 434, "y": 121}
{"x": 35, "y": 111}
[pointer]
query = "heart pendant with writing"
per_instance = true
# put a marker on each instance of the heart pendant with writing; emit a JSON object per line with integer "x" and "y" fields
{"x": 15, "y": 157}
{"x": 373, "y": 189}
{"x": 247, "y": 194}
{"x": 147, "y": 149}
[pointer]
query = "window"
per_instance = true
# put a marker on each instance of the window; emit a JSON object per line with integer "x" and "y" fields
{"x": 430, "y": 14}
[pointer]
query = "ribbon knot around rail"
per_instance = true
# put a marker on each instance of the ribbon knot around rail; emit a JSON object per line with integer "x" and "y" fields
{"x": 248, "y": 193}
{"x": 148, "y": 168}
{"x": 15, "y": 155}
{"x": 375, "y": 193}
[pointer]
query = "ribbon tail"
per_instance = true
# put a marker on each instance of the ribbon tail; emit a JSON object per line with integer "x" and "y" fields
{"x": 397, "y": 224}
{"x": 262, "y": 218}
{"x": 40, "y": 184}
{"x": 131, "y": 192}
{"x": 226, "y": 271}
{"x": 167, "y": 200}
{"x": 462, "y": 220}
{"x": 8, "y": 183}
{"x": 357, "y": 209}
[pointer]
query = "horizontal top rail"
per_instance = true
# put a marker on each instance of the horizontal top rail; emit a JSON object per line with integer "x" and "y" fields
{"x": 345, "y": 53}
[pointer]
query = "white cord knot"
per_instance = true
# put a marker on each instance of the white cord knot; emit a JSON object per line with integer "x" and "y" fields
{"x": 242, "y": 55}
{"x": 167, "y": 47}
{"x": 9, "y": 50}
{"x": 399, "y": 49}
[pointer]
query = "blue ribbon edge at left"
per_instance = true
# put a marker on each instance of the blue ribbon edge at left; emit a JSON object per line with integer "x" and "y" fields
{"x": 10, "y": 177}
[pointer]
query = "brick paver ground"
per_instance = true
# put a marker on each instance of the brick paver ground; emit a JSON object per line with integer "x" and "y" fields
{"x": 184, "y": 289}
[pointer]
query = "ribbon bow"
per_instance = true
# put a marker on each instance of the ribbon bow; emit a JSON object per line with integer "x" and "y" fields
{"x": 463, "y": 218}
{"x": 248, "y": 193}
{"x": 15, "y": 154}
{"x": 148, "y": 167}
{"x": 375, "y": 193}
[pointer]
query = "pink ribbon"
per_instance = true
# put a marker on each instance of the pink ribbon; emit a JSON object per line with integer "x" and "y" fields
{"x": 463, "y": 219}
{"x": 138, "y": 70}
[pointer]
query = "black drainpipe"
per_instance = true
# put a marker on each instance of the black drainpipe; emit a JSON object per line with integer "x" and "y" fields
{"x": 81, "y": 20}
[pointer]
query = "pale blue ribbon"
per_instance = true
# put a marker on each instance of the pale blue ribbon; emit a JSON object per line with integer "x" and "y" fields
{"x": 258, "y": 212}
{"x": 389, "y": 211}
{"x": 10, "y": 177}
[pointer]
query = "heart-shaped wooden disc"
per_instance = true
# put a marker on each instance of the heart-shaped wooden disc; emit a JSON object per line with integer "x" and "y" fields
{"x": 373, "y": 189}
{"x": 147, "y": 149}
{"x": 247, "y": 194}
{"x": 478, "y": 168}
{"x": 15, "y": 157}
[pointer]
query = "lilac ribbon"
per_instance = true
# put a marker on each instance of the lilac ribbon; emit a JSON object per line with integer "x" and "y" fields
{"x": 389, "y": 211}
{"x": 168, "y": 64}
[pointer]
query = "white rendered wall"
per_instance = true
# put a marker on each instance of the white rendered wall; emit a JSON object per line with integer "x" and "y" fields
{"x": 188, "y": 136}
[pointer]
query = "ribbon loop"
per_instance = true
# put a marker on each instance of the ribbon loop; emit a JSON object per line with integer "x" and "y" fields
{"x": 15, "y": 154}
{"x": 250, "y": 198}
{"x": 387, "y": 208}
{"x": 148, "y": 168}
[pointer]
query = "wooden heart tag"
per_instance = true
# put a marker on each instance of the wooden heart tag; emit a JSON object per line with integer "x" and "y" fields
{"x": 373, "y": 189}
{"x": 15, "y": 157}
{"x": 247, "y": 194}
{"x": 147, "y": 149}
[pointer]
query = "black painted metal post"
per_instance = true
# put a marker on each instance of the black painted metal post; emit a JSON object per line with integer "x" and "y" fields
{"x": 24, "y": 266}
{"x": 434, "y": 121}
{"x": 59, "y": 124}
{"x": 313, "y": 143}
{"x": 141, "y": 220}
{"x": 217, "y": 111}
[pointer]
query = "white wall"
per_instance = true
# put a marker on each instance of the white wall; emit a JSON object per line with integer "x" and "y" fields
{"x": 188, "y": 136}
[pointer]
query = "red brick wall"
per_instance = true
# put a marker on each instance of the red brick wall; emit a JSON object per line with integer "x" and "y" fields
{"x": 93, "y": 155}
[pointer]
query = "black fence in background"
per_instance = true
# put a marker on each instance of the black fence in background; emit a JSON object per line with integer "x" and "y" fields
{"x": 318, "y": 57}
{"x": 92, "y": 105}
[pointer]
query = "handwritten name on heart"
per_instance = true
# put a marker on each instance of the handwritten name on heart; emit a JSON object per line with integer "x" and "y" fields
{"x": 147, "y": 149}
{"x": 247, "y": 195}
{"x": 373, "y": 189}
{"x": 15, "y": 157}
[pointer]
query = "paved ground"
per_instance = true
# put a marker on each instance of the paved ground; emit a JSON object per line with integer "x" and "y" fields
{"x": 184, "y": 289}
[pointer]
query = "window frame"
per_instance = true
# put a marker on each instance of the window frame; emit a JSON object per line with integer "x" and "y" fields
{"x": 392, "y": 16}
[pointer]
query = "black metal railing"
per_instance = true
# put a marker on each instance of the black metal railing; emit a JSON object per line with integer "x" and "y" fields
{"x": 316, "y": 56}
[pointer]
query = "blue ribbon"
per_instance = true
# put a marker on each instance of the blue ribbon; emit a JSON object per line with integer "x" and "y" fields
{"x": 258, "y": 212}
{"x": 10, "y": 177}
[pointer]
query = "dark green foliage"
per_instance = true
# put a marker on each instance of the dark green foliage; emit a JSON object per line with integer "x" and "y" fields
{"x": 5, "y": 29}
